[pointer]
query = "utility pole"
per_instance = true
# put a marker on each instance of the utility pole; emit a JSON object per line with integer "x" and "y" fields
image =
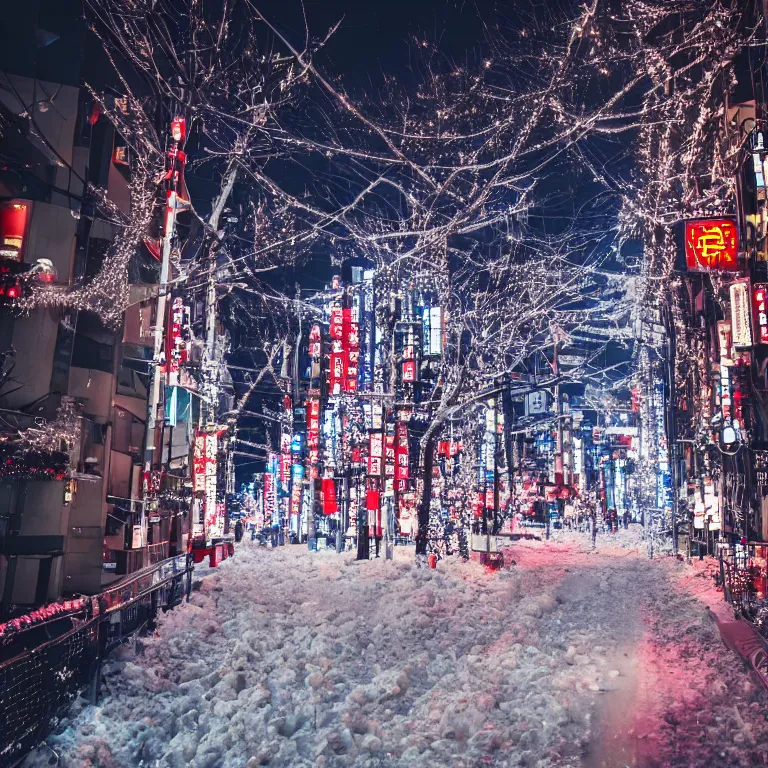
{"x": 495, "y": 464}
{"x": 671, "y": 425}
{"x": 558, "y": 412}
{"x": 559, "y": 473}
{"x": 174, "y": 202}
{"x": 509, "y": 447}
{"x": 208, "y": 409}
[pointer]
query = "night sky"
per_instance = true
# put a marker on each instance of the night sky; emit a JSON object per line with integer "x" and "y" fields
{"x": 374, "y": 35}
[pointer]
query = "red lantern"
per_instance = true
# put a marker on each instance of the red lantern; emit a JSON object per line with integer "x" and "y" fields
{"x": 330, "y": 507}
{"x": 179, "y": 128}
{"x": 372, "y": 501}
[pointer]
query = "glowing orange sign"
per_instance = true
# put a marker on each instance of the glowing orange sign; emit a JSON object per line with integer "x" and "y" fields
{"x": 711, "y": 244}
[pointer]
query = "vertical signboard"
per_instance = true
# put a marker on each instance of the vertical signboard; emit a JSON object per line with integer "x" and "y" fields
{"x": 389, "y": 457}
{"x": 214, "y": 522}
{"x": 741, "y": 327}
{"x": 177, "y": 340}
{"x": 204, "y": 468}
{"x": 401, "y": 456}
{"x": 760, "y": 309}
{"x": 296, "y": 495}
{"x": 338, "y": 362}
{"x": 313, "y": 435}
{"x": 351, "y": 333}
{"x": 664, "y": 474}
{"x": 270, "y": 491}
{"x": 368, "y": 332}
{"x": 435, "y": 331}
{"x": 375, "y": 453}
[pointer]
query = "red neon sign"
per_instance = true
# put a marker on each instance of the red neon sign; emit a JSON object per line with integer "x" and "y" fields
{"x": 760, "y": 307}
{"x": 711, "y": 244}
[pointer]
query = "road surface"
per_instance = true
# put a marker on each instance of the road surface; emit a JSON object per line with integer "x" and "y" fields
{"x": 566, "y": 658}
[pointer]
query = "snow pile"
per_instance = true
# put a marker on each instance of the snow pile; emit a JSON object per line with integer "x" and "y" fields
{"x": 630, "y": 538}
{"x": 286, "y": 658}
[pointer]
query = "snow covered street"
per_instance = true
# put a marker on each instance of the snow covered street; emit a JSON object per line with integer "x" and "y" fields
{"x": 566, "y": 658}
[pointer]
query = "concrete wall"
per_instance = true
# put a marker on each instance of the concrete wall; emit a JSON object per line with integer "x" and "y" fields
{"x": 42, "y": 513}
{"x": 52, "y": 236}
{"x": 120, "y": 475}
{"x": 54, "y": 109}
{"x": 85, "y": 535}
{"x": 26, "y": 580}
{"x": 95, "y": 388}
{"x": 34, "y": 338}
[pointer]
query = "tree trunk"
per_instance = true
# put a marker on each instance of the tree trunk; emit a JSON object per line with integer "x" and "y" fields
{"x": 426, "y": 463}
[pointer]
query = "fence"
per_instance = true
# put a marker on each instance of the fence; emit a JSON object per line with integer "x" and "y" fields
{"x": 44, "y": 666}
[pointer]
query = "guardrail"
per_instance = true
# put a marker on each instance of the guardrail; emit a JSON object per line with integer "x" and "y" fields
{"x": 44, "y": 664}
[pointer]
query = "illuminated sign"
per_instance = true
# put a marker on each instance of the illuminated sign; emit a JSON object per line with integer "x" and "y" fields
{"x": 375, "y": 453}
{"x": 389, "y": 455}
{"x": 313, "y": 436}
{"x": 269, "y": 497}
{"x": 432, "y": 334}
{"x": 285, "y": 458}
{"x": 204, "y": 480}
{"x": 401, "y": 452}
{"x": 663, "y": 472}
{"x": 535, "y": 403}
{"x": 726, "y": 403}
{"x": 330, "y": 505}
{"x": 711, "y": 244}
{"x": 724, "y": 338}
{"x": 351, "y": 340}
{"x": 760, "y": 307}
{"x": 741, "y": 327}
{"x": 338, "y": 363}
{"x": 13, "y": 224}
{"x": 315, "y": 343}
{"x": 177, "y": 351}
{"x": 296, "y": 489}
{"x": 367, "y": 339}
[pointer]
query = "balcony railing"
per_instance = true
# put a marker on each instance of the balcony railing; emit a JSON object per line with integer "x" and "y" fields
{"x": 49, "y": 656}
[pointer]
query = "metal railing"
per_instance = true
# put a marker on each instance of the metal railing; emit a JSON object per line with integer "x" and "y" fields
{"x": 44, "y": 665}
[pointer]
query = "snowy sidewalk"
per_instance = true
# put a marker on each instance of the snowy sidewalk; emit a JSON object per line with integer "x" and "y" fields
{"x": 291, "y": 659}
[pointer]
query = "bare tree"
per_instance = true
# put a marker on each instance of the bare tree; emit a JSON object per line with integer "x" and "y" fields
{"x": 462, "y": 185}
{"x": 214, "y": 65}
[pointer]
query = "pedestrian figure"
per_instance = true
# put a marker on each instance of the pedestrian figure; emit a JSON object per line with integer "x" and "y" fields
{"x": 626, "y": 519}
{"x": 593, "y": 524}
{"x": 612, "y": 521}
{"x": 238, "y": 531}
